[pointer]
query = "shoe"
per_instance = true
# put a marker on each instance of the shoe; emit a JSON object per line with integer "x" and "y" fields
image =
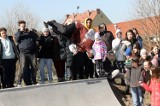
{"x": 19, "y": 85}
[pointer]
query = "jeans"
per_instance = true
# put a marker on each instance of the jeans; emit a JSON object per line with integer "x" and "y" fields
{"x": 45, "y": 62}
{"x": 27, "y": 61}
{"x": 137, "y": 96}
{"x": 67, "y": 73}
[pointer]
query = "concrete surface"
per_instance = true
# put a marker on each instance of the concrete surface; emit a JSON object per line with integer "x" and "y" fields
{"x": 93, "y": 92}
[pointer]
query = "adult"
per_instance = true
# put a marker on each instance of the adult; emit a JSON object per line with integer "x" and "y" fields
{"x": 27, "y": 43}
{"x": 46, "y": 54}
{"x": 8, "y": 56}
{"x": 107, "y": 36}
{"x": 138, "y": 37}
{"x": 130, "y": 37}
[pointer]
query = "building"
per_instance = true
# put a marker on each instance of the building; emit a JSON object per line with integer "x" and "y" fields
{"x": 97, "y": 16}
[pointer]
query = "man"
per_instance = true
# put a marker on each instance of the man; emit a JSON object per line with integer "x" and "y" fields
{"x": 27, "y": 43}
{"x": 8, "y": 57}
{"x": 89, "y": 67}
{"x": 46, "y": 54}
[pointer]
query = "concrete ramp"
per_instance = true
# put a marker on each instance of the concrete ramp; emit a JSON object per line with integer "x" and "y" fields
{"x": 95, "y": 92}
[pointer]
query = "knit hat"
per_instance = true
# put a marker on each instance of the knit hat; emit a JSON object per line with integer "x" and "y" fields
{"x": 97, "y": 36}
{"x": 143, "y": 51}
{"x": 128, "y": 52}
{"x": 45, "y": 30}
{"x": 118, "y": 31}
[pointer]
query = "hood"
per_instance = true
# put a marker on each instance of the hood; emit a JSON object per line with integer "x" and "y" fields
{"x": 85, "y": 24}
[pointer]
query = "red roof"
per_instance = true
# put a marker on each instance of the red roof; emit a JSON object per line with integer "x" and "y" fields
{"x": 82, "y": 16}
{"x": 144, "y": 26}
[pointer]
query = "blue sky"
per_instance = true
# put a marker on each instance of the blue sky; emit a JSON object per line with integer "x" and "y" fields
{"x": 116, "y": 10}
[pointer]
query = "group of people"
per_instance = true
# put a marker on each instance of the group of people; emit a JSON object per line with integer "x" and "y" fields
{"x": 97, "y": 54}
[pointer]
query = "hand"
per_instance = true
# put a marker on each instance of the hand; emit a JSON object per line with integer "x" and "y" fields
{"x": 84, "y": 40}
{"x": 104, "y": 60}
{"x": 141, "y": 83}
{"x": 21, "y": 28}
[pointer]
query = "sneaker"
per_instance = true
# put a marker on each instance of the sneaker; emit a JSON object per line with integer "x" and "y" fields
{"x": 19, "y": 85}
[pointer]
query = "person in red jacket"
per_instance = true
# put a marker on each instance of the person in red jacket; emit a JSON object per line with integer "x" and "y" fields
{"x": 154, "y": 87}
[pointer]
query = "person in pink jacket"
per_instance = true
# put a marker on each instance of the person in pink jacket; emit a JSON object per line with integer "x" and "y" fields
{"x": 153, "y": 87}
{"x": 100, "y": 53}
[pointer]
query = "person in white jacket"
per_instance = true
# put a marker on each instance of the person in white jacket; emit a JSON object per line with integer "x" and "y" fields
{"x": 117, "y": 48}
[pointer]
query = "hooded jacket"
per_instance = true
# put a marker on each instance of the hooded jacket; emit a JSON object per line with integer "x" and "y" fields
{"x": 116, "y": 47}
{"x": 82, "y": 30}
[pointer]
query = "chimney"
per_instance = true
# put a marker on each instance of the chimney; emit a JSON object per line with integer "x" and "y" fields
{"x": 67, "y": 16}
{"x": 89, "y": 13}
{"x": 98, "y": 11}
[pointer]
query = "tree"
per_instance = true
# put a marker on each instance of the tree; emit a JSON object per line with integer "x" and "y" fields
{"x": 18, "y": 12}
{"x": 149, "y": 10}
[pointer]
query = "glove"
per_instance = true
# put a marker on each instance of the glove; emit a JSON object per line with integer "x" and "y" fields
{"x": 73, "y": 49}
{"x": 93, "y": 61}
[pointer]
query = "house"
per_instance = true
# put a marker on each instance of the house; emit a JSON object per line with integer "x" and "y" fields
{"x": 97, "y": 16}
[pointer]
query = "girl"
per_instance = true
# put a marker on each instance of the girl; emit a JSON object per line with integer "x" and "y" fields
{"x": 100, "y": 53}
{"x": 154, "y": 87}
{"x": 132, "y": 77}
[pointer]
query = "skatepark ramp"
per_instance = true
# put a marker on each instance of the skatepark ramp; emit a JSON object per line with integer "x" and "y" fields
{"x": 92, "y": 92}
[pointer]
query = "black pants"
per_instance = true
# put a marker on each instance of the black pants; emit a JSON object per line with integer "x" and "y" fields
{"x": 77, "y": 71}
{"x": 89, "y": 67}
{"x": 60, "y": 68}
{"x": 27, "y": 61}
{"x": 9, "y": 67}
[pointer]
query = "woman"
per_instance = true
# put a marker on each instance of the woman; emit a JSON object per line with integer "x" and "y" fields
{"x": 131, "y": 37}
{"x": 138, "y": 37}
{"x": 8, "y": 56}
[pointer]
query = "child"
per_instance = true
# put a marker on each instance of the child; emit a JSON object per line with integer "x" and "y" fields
{"x": 99, "y": 52}
{"x": 153, "y": 87}
{"x": 128, "y": 61}
{"x": 133, "y": 76}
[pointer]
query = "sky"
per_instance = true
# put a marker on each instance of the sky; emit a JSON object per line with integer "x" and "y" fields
{"x": 115, "y": 10}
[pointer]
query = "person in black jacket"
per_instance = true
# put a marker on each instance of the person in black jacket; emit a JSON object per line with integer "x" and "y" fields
{"x": 46, "y": 54}
{"x": 27, "y": 43}
{"x": 8, "y": 56}
{"x": 107, "y": 36}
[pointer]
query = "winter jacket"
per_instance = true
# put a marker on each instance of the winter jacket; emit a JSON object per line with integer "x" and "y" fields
{"x": 109, "y": 65}
{"x": 140, "y": 41}
{"x": 47, "y": 46}
{"x": 26, "y": 42}
{"x": 145, "y": 76}
{"x": 99, "y": 50}
{"x": 117, "y": 47}
{"x": 79, "y": 35}
{"x": 14, "y": 49}
{"x": 154, "y": 88}
{"x": 133, "y": 76}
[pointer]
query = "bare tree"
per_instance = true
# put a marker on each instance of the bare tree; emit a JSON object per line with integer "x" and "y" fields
{"x": 149, "y": 11}
{"x": 18, "y": 12}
